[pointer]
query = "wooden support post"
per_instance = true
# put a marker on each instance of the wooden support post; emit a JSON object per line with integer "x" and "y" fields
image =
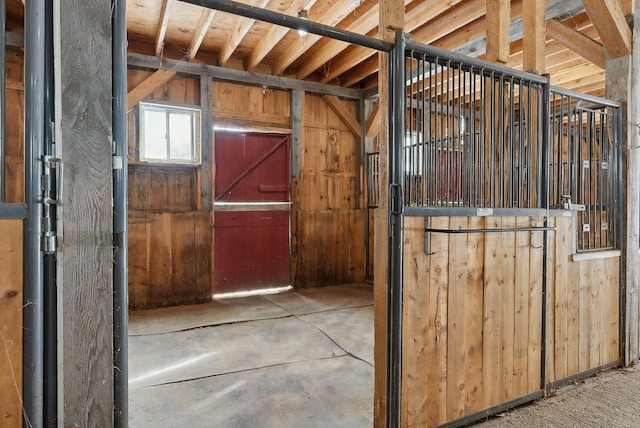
{"x": 498, "y": 19}
{"x": 608, "y": 18}
{"x": 577, "y": 41}
{"x": 344, "y": 114}
{"x": 206, "y": 136}
{"x": 147, "y": 86}
{"x": 85, "y": 261}
{"x": 297, "y": 109}
{"x": 391, "y": 19}
{"x": 623, "y": 85}
{"x": 534, "y": 36}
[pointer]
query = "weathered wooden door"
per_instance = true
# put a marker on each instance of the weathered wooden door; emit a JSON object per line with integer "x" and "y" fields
{"x": 251, "y": 238}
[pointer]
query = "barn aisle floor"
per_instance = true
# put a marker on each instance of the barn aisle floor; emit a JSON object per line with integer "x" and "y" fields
{"x": 297, "y": 359}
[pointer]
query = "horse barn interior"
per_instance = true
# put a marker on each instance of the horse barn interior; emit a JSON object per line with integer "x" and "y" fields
{"x": 314, "y": 212}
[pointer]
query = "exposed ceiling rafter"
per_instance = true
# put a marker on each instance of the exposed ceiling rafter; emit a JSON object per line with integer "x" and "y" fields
{"x": 162, "y": 26}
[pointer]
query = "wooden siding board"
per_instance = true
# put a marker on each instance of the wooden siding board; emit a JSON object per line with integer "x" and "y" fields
{"x": 521, "y": 309}
{"x": 473, "y": 316}
{"x": 11, "y": 323}
{"x": 138, "y": 260}
{"x": 535, "y": 307}
{"x": 203, "y": 257}
{"x": 493, "y": 368}
{"x": 416, "y": 362}
{"x": 438, "y": 333}
{"x": 159, "y": 263}
{"x": 456, "y": 309}
{"x": 561, "y": 304}
{"x": 183, "y": 266}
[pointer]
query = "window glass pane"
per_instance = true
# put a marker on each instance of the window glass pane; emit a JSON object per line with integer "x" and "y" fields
{"x": 155, "y": 135}
{"x": 181, "y": 136}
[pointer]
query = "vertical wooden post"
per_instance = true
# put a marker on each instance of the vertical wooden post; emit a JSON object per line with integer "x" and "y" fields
{"x": 297, "y": 130}
{"x": 391, "y": 19}
{"x": 86, "y": 257}
{"x": 534, "y": 36}
{"x": 206, "y": 131}
{"x": 498, "y": 20}
{"x": 623, "y": 84}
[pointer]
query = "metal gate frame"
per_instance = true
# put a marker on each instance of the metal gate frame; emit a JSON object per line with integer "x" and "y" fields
{"x": 398, "y": 209}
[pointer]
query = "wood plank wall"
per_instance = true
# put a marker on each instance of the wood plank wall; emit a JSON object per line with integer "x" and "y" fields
{"x": 330, "y": 204}
{"x": 168, "y": 228}
{"x": 169, "y": 236}
{"x": 473, "y": 312}
{"x": 11, "y": 323}
{"x": 11, "y": 251}
{"x": 15, "y": 127}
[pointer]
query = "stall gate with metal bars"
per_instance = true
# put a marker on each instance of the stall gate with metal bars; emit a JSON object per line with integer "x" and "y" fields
{"x": 504, "y": 261}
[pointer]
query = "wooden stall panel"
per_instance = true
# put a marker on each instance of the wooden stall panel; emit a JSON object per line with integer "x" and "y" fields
{"x": 584, "y": 295}
{"x": 11, "y": 323}
{"x": 472, "y": 317}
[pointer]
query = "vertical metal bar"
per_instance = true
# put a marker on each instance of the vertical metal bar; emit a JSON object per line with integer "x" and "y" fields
{"x": 521, "y": 125}
{"x": 511, "y": 145}
{"x": 120, "y": 215}
{"x": 3, "y": 101}
{"x": 33, "y": 312}
{"x": 395, "y": 209}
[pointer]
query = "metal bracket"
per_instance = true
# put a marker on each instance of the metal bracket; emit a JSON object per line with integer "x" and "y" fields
{"x": 48, "y": 161}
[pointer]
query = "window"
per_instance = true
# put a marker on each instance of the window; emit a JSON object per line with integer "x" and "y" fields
{"x": 169, "y": 134}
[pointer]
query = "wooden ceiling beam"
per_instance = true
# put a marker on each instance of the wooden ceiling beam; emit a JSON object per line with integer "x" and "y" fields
{"x": 148, "y": 85}
{"x": 608, "y": 18}
{"x": 576, "y": 41}
{"x": 162, "y": 25}
{"x": 332, "y": 16}
{"x": 275, "y": 34}
{"x": 200, "y": 31}
{"x": 498, "y": 21}
{"x": 438, "y": 26}
{"x": 240, "y": 30}
{"x": 344, "y": 114}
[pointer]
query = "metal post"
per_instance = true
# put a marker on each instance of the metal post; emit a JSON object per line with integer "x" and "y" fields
{"x": 3, "y": 101}
{"x": 120, "y": 277}
{"x": 50, "y": 307}
{"x": 543, "y": 195}
{"x": 33, "y": 317}
{"x": 395, "y": 207}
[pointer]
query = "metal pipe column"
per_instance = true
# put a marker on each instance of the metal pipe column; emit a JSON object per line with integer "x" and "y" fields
{"x": 120, "y": 281}
{"x": 545, "y": 116}
{"x": 49, "y": 183}
{"x": 395, "y": 211}
{"x": 3, "y": 101}
{"x": 33, "y": 317}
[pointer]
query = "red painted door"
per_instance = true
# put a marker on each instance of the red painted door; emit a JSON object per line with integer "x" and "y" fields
{"x": 251, "y": 246}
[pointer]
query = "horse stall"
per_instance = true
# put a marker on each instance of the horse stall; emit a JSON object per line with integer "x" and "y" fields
{"x": 509, "y": 253}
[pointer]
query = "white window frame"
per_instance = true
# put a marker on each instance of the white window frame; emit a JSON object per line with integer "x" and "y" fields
{"x": 194, "y": 114}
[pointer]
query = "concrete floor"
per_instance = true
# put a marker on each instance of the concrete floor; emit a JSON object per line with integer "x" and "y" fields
{"x": 305, "y": 359}
{"x": 297, "y": 359}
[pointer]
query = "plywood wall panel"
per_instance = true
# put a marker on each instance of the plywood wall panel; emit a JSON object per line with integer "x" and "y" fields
{"x": 11, "y": 323}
